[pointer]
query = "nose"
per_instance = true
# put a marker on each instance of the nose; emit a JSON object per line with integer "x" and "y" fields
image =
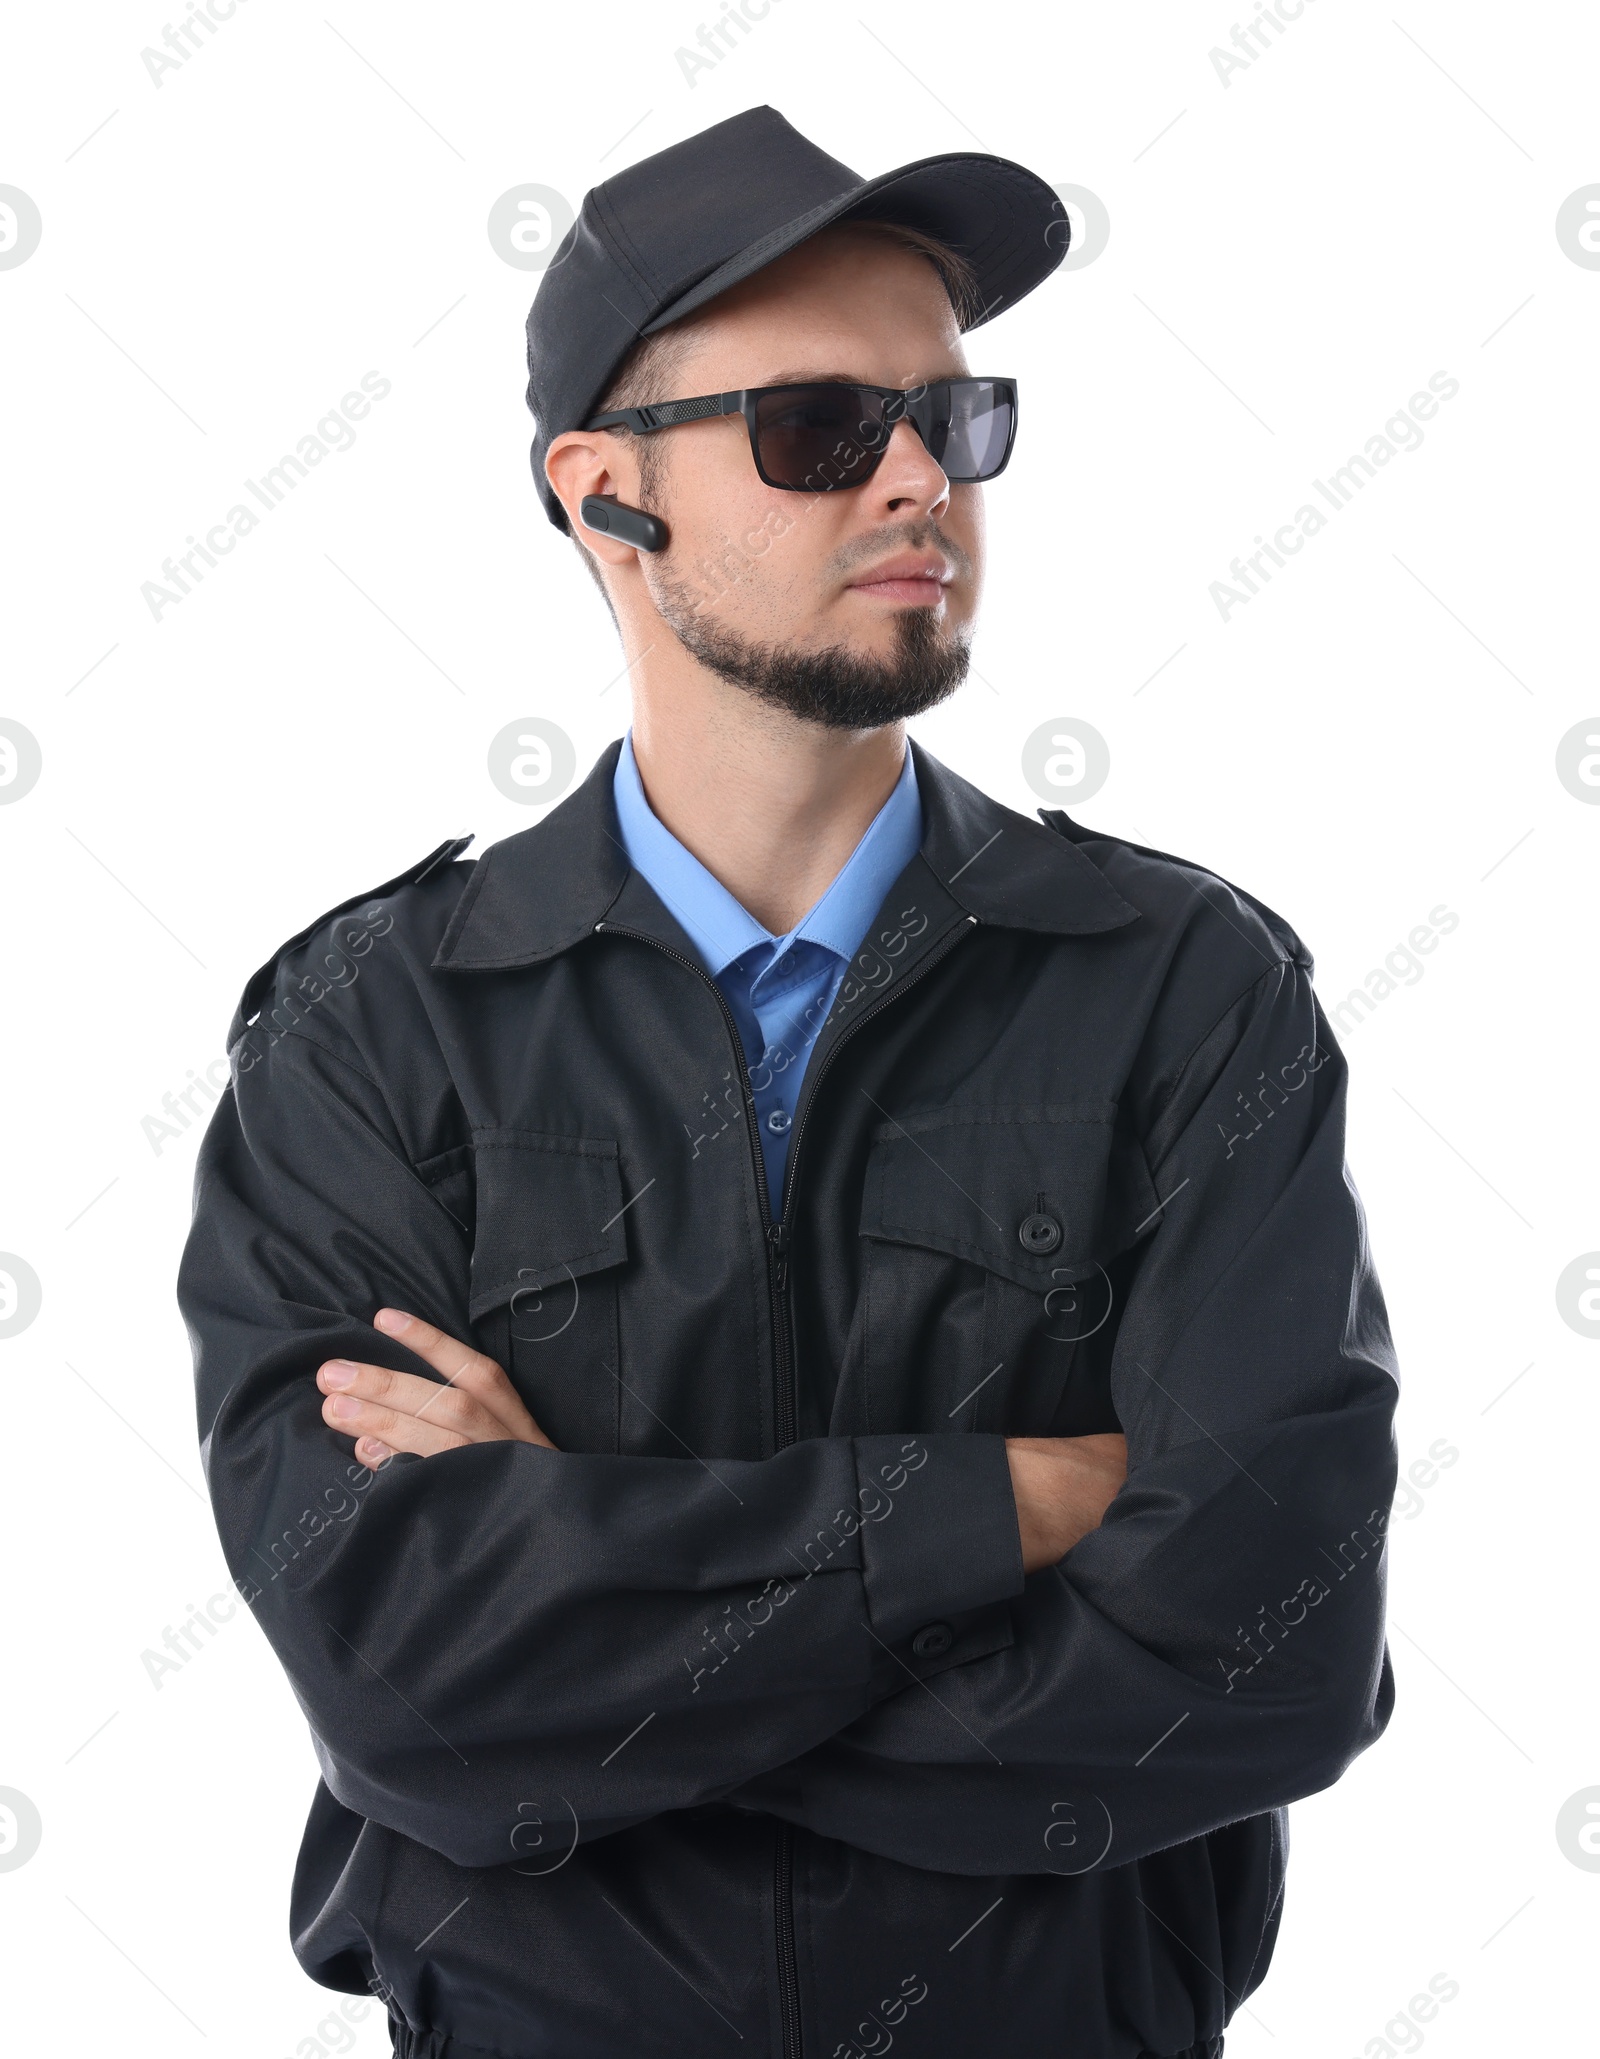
{"x": 908, "y": 481}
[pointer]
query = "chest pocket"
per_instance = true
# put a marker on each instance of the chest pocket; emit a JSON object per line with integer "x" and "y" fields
{"x": 995, "y": 1243}
{"x": 550, "y": 1236}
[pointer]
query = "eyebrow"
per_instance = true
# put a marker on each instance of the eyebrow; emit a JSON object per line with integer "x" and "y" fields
{"x": 808, "y": 377}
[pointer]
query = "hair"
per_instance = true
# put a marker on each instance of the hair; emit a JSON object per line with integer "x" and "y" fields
{"x": 650, "y": 368}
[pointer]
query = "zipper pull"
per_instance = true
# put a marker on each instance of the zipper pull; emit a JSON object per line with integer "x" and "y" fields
{"x": 778, "y": 1238}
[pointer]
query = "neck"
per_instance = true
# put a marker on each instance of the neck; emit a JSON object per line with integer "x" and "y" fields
{"x": 770, "y": 805}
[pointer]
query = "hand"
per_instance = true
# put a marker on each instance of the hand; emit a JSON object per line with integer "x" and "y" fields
{"x": 388, "y": 1412}
{"x": 1063, "y": 1486}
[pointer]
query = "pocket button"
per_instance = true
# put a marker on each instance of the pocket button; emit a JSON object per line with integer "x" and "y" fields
{"x": 932, "y": 1641}
{"x": 1039, "y": 1234}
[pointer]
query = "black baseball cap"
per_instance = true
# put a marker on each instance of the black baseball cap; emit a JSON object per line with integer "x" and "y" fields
{"x": 660, "y": 239}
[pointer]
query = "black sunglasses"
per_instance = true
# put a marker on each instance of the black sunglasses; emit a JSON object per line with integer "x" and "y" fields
{"x": 820, "y": 438}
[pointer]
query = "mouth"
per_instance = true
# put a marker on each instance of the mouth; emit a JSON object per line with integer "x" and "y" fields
{"x": 915, "y": 579}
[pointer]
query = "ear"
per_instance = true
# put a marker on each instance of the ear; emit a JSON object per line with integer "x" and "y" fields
{"x": 584, "y": 461}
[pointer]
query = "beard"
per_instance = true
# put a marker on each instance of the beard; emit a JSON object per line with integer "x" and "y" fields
{"x": 836, "y": 688}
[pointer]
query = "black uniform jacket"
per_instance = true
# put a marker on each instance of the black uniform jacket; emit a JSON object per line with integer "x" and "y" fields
{"x": 732, "y": 1725}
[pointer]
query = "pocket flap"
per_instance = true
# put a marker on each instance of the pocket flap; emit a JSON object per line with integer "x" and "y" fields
{"x": 547, "y": 1207}
{"x": 975, "y": 1183}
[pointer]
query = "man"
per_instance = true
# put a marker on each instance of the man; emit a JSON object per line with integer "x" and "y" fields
{"x": 872, "y": 1409}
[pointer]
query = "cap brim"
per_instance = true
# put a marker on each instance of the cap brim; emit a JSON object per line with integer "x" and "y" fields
{"x": 1003, "y": 219}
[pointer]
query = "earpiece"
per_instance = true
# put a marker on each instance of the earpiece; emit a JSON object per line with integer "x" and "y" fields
{"x": 628, "y": 525}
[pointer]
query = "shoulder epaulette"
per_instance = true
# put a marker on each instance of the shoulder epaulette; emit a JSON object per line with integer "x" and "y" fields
{"x": 1075, "y": 832}
{"x": 259, "y": 985}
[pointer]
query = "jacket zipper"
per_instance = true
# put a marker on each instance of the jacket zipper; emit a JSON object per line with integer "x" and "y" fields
{"x": 785, "y": 1399}
{"x": 788, "y": 1956}
{"x": 776, "y": 1233}
{"x": 777, "y": 1270}
{"x": 815, "y": 1076}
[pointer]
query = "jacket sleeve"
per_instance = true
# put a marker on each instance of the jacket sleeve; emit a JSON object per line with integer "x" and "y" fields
{"x": 503, "y": 1635}
{"x": 1215, "y": 1648}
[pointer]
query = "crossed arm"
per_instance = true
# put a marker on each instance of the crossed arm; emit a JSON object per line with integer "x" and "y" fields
{"x": 1063, "y": 1485}
{"x": 1199, "y": 1642}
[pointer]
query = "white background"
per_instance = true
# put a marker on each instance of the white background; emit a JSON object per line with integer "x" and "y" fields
{"x": 1292, "y": 254}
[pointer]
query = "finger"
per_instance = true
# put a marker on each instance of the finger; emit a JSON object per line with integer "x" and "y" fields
{"x": 352, "y": 1417}
{"x": 472, "y": 1371}
{"x": 409, "y": 1394}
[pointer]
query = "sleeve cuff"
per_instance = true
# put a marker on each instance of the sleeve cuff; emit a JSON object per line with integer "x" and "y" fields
{"x": 946, "y": 1540}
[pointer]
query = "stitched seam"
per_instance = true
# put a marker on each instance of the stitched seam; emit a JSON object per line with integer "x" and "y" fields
{"x": 626, "y": 252}
{"x": 328, "y": 1051}
{"x": 400, "y": 1157}
{"x": 615, "y": 1342}
{"x": 439, "y": 1165}
{"x": 602, "y": 1151}
{"x": 869, "y": 1271}
{"x": 1251, "y": 1982}
{"x": 1183, "y": 1069}
{"x": 584, "y": 1150}
{"x": 975, "y": 1251}
{"x": 916, "y": 1126}
{"x": 554, "y": 1265}
{"x": 517, "y": 959}
{"x": 456, "y": 926}
{"x": 430, "y": 2032}
{"x": 589, "y": 1252}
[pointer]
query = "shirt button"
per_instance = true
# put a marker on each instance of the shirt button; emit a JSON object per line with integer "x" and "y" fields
{"x": 932, "y": 1641}
{"x": 1039, "y": 1234}
{"x": 778, "y": 1121}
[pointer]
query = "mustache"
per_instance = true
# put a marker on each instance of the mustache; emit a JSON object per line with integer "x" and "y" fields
{"x": 922, "y": 534}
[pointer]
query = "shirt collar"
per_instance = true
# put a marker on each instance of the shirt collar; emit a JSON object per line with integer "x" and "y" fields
{"x": 721, "y": 928}
{"x": 539, "y": 892}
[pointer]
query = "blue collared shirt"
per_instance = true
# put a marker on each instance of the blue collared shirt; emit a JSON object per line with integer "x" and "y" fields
{"x": 779, "y": 988}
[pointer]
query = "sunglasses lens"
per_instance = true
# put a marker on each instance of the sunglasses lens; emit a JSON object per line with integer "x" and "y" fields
{"x": 817, "y": 439}
{"x": 820, "y": 438}
{"x": 972, "y": 443}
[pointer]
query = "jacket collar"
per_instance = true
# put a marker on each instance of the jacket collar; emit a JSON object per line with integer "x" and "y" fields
{"x": 535, "y": 894}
